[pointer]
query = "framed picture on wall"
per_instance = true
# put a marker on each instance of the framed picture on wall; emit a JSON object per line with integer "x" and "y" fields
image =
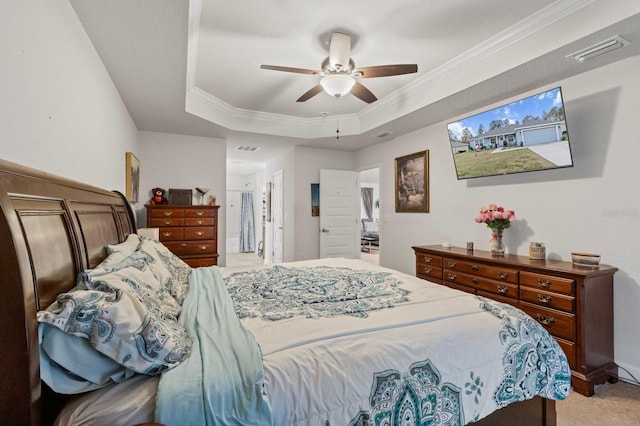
{"x": 132, "y": 177}
{"x": 412, "y": 183}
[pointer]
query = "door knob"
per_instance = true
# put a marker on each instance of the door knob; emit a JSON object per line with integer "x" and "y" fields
{"x": 324, "y": 230}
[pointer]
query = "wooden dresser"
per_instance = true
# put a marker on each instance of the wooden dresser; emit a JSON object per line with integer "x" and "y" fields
{"x": 575, "y": 304}
{"x": 190, "y": 232}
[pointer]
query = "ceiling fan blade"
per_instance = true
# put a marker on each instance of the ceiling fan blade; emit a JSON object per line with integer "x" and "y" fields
{"x": 362, "y": 93}
{"x": 288, "y": 69}
{"x": 387, "y": 70}
{"x": 340, "y": 50}
{"x": 310, "y": 93}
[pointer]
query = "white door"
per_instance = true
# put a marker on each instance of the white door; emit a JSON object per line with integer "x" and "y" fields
{"x": 339, "y": 214}
{"x": 277, "y": 214}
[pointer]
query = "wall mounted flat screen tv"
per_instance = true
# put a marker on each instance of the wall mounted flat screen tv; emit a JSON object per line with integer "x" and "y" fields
{"x": 527, "y": 135}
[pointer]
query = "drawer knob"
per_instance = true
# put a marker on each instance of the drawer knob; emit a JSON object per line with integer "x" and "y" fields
{"x": 503, "y": 275}
{"x": 452, "y": 277}
{"x": 428, "y": 259}
{"x": 543, "y": 319}
{"x": 166, "y": 234}
{"x": 204, "y": 247}
{"x": 544, "y": 299}
{"x": 475, "y": 267}
{"x": 167, "y": 213}
{"x": 199, "y": 213}
{"x": 452, "y": 264}
{"x": 502, "y": 289}
{"x": 543, "y": 283}
{"x": 199, "y": 221}
{"x": 183, "y": 245}
{"x": 475, "y": 280}
{"x": 167, "y": 222}
{"x": 428, "y": 270}
{"x": 199, "y": 233}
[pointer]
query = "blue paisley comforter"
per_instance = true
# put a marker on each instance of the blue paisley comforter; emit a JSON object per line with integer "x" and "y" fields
{"x": 394, "y": 349}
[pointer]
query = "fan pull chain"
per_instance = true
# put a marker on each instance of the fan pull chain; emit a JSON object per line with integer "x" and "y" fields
{"x": 337, "y": 117}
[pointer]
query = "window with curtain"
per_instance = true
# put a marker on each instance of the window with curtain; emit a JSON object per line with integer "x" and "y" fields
{"x": 247, "y": 229}
{"x": 367, "y": 201}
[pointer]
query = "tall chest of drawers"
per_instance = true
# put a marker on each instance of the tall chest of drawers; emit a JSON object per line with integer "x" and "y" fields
{"x": 575, "y": 304}
{"x": 190, "y": 232}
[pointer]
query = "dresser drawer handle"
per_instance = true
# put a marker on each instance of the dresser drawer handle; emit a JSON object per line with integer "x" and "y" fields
{"x": 475, "y": 267}
{"x": 502, "y": 289}
{"x": 543, "y": 283}
{"x": 199, "y": 213}
{"x": 475, "y": 280}
{"x": 452, "y": 277}
{"x": 204, "y": 247}
{"x": 199, "y": 221}
{"x": 183, "y": 245}
{"x": 167, "y": 234}
{"x": 544, "y": 299}
{"x": 428, "y": 270}
{"x": 543, "y": 319}
{"x": 167, "y": 213}
{"x": 168, "y": 222}
{"x": 503, "y": 275}
{"x": 452, "y": 264}
{"x": 428, "y": 259}
{"x": 199, "y": 233}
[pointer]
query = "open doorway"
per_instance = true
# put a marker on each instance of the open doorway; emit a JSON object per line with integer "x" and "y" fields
{"x": 370, "y": 215}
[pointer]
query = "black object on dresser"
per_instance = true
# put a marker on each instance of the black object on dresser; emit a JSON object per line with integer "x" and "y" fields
{"x": 190, "y": 232}
{"x": 575, "y": 304}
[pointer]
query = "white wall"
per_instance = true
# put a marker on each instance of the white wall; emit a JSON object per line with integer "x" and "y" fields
{"x": 309, "y": 161}
{"x": 184, "y": 162}
{"x": 594, "y": 206}
{"x": 59, "y": 109}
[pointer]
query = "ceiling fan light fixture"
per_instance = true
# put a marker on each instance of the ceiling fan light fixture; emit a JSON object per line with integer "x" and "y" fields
{"x": 337, "y": 85}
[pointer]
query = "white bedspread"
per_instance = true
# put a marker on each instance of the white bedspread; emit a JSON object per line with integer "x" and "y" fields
{"x": 441, "y": 347}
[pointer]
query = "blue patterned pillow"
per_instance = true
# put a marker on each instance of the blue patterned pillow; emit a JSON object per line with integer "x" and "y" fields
{"x": 120, "y": 313}
{"x": 170, "y": 270}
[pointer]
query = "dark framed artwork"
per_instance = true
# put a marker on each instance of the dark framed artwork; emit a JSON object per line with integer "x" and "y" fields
{"x": 315, "y": 199}
{"x": 132, "y": 177}
{"x": 182, "y": 197}
{"x": 412, "y": 183}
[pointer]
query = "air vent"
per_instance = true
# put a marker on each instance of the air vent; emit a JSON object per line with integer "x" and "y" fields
{"x": 247, "y": 148}
{"x": 382, "y": 134}
{"x": 605, "y": 46}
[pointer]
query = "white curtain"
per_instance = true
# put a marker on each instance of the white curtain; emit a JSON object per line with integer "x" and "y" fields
{"x": 247, "y": 230}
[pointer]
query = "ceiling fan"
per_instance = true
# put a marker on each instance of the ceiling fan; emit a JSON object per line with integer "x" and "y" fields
{"x": 340, "y": 73}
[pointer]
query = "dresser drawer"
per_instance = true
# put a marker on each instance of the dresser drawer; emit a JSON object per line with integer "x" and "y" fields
{"x": 159, "y": 222}
{"x": 199, "y": 233}
{"x": 429, "y": 271}
{"x": 201, "y": 261}
{"x": 497, "y": 273}
{"x": 547, "y": 298}
{"x": 560, "y": 324}
{"x": 199, "y": 213}
{"x": 569, "y": 349}
{"x": 171, "y": 234}
{"x": 547, "y": 282}
{"x": 192, "y": 247}
{"x": 464, "y": 288}
{"x": 199, "y": 221}
{"x": 480, "y": 283}
{"x": 168, "y": 212}
{"x": 428, "y": 259}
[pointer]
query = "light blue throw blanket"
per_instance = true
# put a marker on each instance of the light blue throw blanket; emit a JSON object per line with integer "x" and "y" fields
{"x": 221, "y": 382}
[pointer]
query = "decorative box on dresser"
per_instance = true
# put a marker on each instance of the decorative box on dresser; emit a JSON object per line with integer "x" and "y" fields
{"x": 190, "y": 232}
{"x": 575, "y": 304}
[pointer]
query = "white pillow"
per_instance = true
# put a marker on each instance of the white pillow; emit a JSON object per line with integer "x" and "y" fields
{"x": 127, "y": 247}
{"x": 371, "y": 226}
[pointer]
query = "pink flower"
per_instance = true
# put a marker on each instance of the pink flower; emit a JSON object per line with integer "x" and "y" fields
{"x": 496, "y": 217}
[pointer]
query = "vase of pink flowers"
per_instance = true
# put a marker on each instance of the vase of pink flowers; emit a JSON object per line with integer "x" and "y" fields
{"x": 497, "y": 219}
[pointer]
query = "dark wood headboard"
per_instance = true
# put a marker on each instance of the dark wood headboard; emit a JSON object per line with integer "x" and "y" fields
{"x": 51, "y": 228}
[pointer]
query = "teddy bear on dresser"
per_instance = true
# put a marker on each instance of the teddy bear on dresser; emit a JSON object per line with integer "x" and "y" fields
{"x": 158, "y": 197}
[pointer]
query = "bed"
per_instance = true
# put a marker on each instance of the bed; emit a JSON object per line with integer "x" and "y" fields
{"x": 336, "y": 365}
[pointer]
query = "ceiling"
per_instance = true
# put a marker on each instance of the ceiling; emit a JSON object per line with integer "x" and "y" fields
{"x": 193, "y": 67}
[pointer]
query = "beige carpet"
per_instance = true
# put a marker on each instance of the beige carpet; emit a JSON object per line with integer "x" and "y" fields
{"x": 612, "y": 404}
